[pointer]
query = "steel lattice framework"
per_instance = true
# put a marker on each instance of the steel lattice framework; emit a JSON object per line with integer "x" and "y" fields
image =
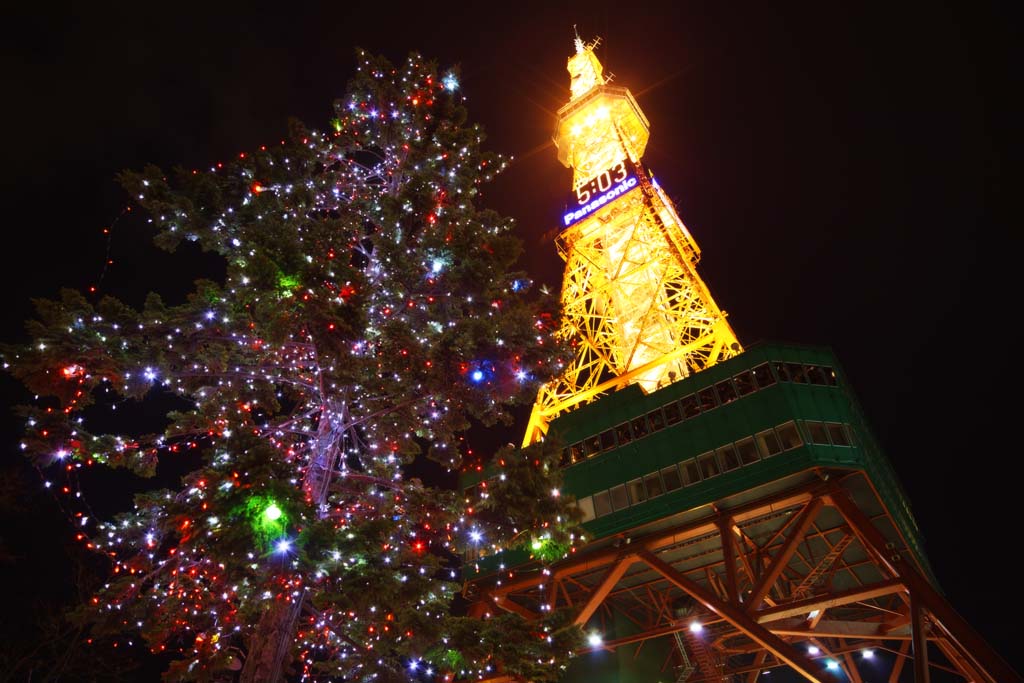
{"x": 764, "y": 575}
{"x": 635, "y": 309}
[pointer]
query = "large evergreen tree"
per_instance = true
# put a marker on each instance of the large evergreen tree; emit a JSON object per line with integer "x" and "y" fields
{"x": 368, "y": 313}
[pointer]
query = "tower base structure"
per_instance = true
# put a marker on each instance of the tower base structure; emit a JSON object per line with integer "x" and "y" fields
{"x": 745, "y": 524}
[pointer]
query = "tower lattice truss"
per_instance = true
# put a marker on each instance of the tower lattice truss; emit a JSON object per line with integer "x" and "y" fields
{"x": 635, "y": 309}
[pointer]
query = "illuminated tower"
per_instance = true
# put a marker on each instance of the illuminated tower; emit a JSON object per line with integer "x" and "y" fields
{"x": 636, "y": 310}
{"x": 741, "y": 518}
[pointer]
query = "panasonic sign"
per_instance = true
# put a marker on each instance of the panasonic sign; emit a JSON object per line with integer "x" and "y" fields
{"x": 616, "y": 191}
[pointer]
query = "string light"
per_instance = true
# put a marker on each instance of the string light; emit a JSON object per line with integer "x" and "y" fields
{"x": 307, "y": 379}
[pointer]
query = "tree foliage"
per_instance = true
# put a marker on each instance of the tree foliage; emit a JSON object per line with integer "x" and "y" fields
{"x": 369, "y": 312}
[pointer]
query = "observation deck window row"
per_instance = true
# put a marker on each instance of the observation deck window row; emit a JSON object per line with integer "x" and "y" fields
{"x": 702, "y": 401}
{"x": 726, "y": 458}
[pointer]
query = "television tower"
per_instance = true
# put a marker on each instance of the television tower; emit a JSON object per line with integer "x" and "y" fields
{"x": 636, "y": 310}
{"x": 741, "y": 517}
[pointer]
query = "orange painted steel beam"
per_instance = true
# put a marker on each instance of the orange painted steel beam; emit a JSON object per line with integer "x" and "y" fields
{"x": 823, "y": 602}
{"x": 499, "y": 679}
{"x": 758, "y": 661}
{"x": 919, "y": 641}
{"x": 796, "y": 535}
{"x": 958, "y": 660}
{"x": 851, "y": 667}
{"x": 782, "y": 500}
{"x": 967, "y": 640}
{"x": 611, "y": 578}
{"x": 846, "y": 630}
{"x": 729, "y": 558}
{"x": 741, "y": 539}
{"x": 514, "y": 607}
{"x": 897, "y": 665}
{"x": 478, "y": 609}
{"x": 553, "y": 594}
{"x": 740, "y": 620}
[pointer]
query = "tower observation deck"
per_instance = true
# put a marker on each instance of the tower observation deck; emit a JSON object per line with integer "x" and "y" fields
{"x": 741, "y": 518}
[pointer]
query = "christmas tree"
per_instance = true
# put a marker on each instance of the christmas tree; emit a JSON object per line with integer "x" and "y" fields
{"x": 369, "y": 314}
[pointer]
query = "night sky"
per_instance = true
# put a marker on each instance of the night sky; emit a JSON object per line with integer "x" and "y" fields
{"x": 844, "y": 170}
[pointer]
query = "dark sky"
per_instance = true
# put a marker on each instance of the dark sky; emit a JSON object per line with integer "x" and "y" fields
{"x": 845, "y": 171}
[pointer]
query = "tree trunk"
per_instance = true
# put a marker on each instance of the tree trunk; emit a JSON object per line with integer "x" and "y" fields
{"x": 270, "y": 643}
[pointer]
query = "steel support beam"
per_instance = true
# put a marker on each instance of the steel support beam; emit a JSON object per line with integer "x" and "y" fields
{"x": 740, "y": 620}
{"x": 899, "y": 661}
{"x": 611, "y": 578}
{"x": 796, "y": 535}
{"x": 919, "y": 641}
{"x": 784, "y": 499}
{"x": 511, "y": 606}
{"x": 967, "y": 640}
{"x": 729, "y": 558}
{"x": 824, "y": 602}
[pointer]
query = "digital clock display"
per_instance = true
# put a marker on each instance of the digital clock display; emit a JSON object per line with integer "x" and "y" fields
{"x": 599, "y": 191}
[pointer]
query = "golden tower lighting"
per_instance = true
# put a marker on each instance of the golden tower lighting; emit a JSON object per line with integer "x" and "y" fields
{"x": 634, "y": 307}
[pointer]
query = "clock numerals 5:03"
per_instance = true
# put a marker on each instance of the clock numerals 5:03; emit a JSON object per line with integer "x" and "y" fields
{"x": 602, "y": 182}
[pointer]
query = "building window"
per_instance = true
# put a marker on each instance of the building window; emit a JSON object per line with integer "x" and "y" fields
{"x": 816, "y": 432}
{"x": 602, "y": 504}
{"x": 788, "y": 435}
{"x": 747, "y": 450}
{"x": 639, "y": 426}
{"x": 636, "y": 491}
{"x": 837, "y": 434}
{"x": 652, "y": 482}
{"x": 656, "y": 420}
{"x": 768, "y": 443}
{"x": 691, "y": 472}
{"x": 707, "y": 399}
{"x": 620, "y": 499}
{"x": 672, "y": 414}
{"x": 729, "y": 458}
{"x": 796, "y": 373}
{"x": 607, "y": 439}
{"x": 623, "y": 433}
{"x": 830, "y": 377}
{"x": 763, "y": 376}
{"x": 592, "y": 445}
{"x": 708, "y": 465}
{"x": 670, "y": 476}
{"x": 586, "y": 506}
{"x": 690, "y": 405}
{"x": 816, "y": 374}
{"x": 744, "y": 383}
{"x": 781, "y": 372}
{"x": 726, "y": 392}
{"x": 576, "y": 452}
{"x": 564, "y": 461}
